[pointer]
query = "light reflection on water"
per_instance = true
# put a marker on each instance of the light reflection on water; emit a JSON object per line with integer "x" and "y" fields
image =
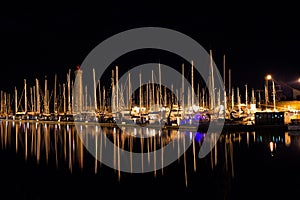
{"x": 60, "y": 145}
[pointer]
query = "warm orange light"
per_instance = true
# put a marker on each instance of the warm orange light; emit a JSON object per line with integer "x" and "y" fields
{"x": 299, "y": 80}
{"x": 269, "y": 77}
{"x": 271, "y": 144}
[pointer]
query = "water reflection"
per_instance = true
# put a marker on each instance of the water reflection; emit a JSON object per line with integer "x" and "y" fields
{"x": 60, "y": 145}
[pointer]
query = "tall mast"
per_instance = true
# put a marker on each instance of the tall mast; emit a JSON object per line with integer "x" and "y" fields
{"x": 259, "y": 99}
{"x": 99, "y": 91}
{"x": 140, "y": 100}
{"x": 86, "y": 98}
{"x": 165, "y": 95}
{"x": 274, "y": 95}
{"x": 34, "y": 99}
{"x": 159, "y": 77}
{"x": 38, "y": 107}
{"x": 192, "y": 82}
{"x": 129, "y": 91}
{"x": 147, "y": 95}
{"x": 55, "y": 99}
{"x": 46, "y": 109}
{"x": 69, "y": 91}
{"x": 104, "y": 99}
{"x": 212, "y": 89}
{"x": 16, "y": 100}
{"x": 198, "y": 95}
{"x": 238, "y": 98}
{"x": 182, "y": 88}
{"x": 2, "y": 103}
{"x": 232, "y": 99}
{"x": 224, "y": 82}
{"x": 113, "y": 91}
{"x": 95, "y": 94}
{"x": 253, "y": 97}
{"x": 8, "y": 104}
{"x": 153, "y": 91}
{"x": 64, "y": 99}
{"x": 229, "y": 84}
{"x": 25, "y": 99}
{"x": 203, "y": 97}
{"x": 246, "y": 95}
{"x": 172, "y": 92}
{"x": 31, "y": 99}
{"x": 117, "y": 88}
{"x": 224, "y": 72}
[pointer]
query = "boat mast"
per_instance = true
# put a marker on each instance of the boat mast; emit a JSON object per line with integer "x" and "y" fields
{"x": 112, "y": 106}
{"x": 159, "y": 77}
{"x": 117, "y": 88}
{"x": 64, "y": 98}
{"x": 229, "y": 84}
{"x": 232, "y": 99}
{"x": 274, "y": 95}
{"x": 86, "y": 98}
{"x": 99, "y": 91}
{"x": 55, "y": 100}
{"x": 38, "y": 107}
{"x": 153, "y": 90}
{"x": 246, "y": 95}
{"x": 182, "y": 88}
{"x": 198, "y": 95}
{"x": 212, "y": 89}
{"x": 34, "y": 100}
{"x": 203, "y": 97}
{"x": 129, "y": 91}
{"x": 192, "y": 82}
{"x": 25, "y": 99}
{"x": 2, "y": 103}
{"x": 104, "y": 99}
{"x": 69, "y": 91}
{"x": 31, "y": 99}
{"x": 165, "y": 96}
{"x": 95, "y": 95}
{"x": 147, "y": 95}
{"x": 224, "y": 73}
{"x": 238, "y": 98}
{"x": 224, "y": 79}
{"x": 253, "y": 97}
{"x": 140, "y": 99}
{"x": 46, "y": 109}
{"x": 16, "y": 100}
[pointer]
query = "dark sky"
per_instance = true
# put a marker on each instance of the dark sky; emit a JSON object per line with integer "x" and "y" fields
{"x": 56, "y": 38}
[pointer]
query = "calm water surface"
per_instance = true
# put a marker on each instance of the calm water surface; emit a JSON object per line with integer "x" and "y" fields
{"x": 49, "y": 161}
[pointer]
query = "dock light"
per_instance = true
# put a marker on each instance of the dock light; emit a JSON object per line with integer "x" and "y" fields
{"x": 269, "y": 77}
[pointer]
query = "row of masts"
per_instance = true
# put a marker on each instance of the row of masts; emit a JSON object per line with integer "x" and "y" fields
{"x": 73, "y": 98}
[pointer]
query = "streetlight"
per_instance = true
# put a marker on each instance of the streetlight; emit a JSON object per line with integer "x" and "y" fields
{"x": 268, "y": 77}
{"x": 299, "y": 80}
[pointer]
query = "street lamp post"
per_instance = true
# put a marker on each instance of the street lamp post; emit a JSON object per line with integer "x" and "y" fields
{"x": 274, "y": 95}
{"x": 268, "y": 77}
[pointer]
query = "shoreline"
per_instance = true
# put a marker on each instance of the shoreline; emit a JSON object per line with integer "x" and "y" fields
{"x": 201, "y": 127}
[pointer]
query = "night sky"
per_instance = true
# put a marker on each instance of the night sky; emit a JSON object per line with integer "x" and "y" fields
{"x": 55, "y": 38}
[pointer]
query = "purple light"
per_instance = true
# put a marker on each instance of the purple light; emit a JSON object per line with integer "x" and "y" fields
{"x": 199, "y": 136}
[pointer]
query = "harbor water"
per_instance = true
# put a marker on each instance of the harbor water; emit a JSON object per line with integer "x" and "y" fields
{"x": 41, "y": 160}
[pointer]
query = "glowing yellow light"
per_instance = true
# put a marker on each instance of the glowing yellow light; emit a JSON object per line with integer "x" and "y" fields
{"x": 271, "y": 146}
{"x": 299, "y": 80}
{"x": 269, "y": 77}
